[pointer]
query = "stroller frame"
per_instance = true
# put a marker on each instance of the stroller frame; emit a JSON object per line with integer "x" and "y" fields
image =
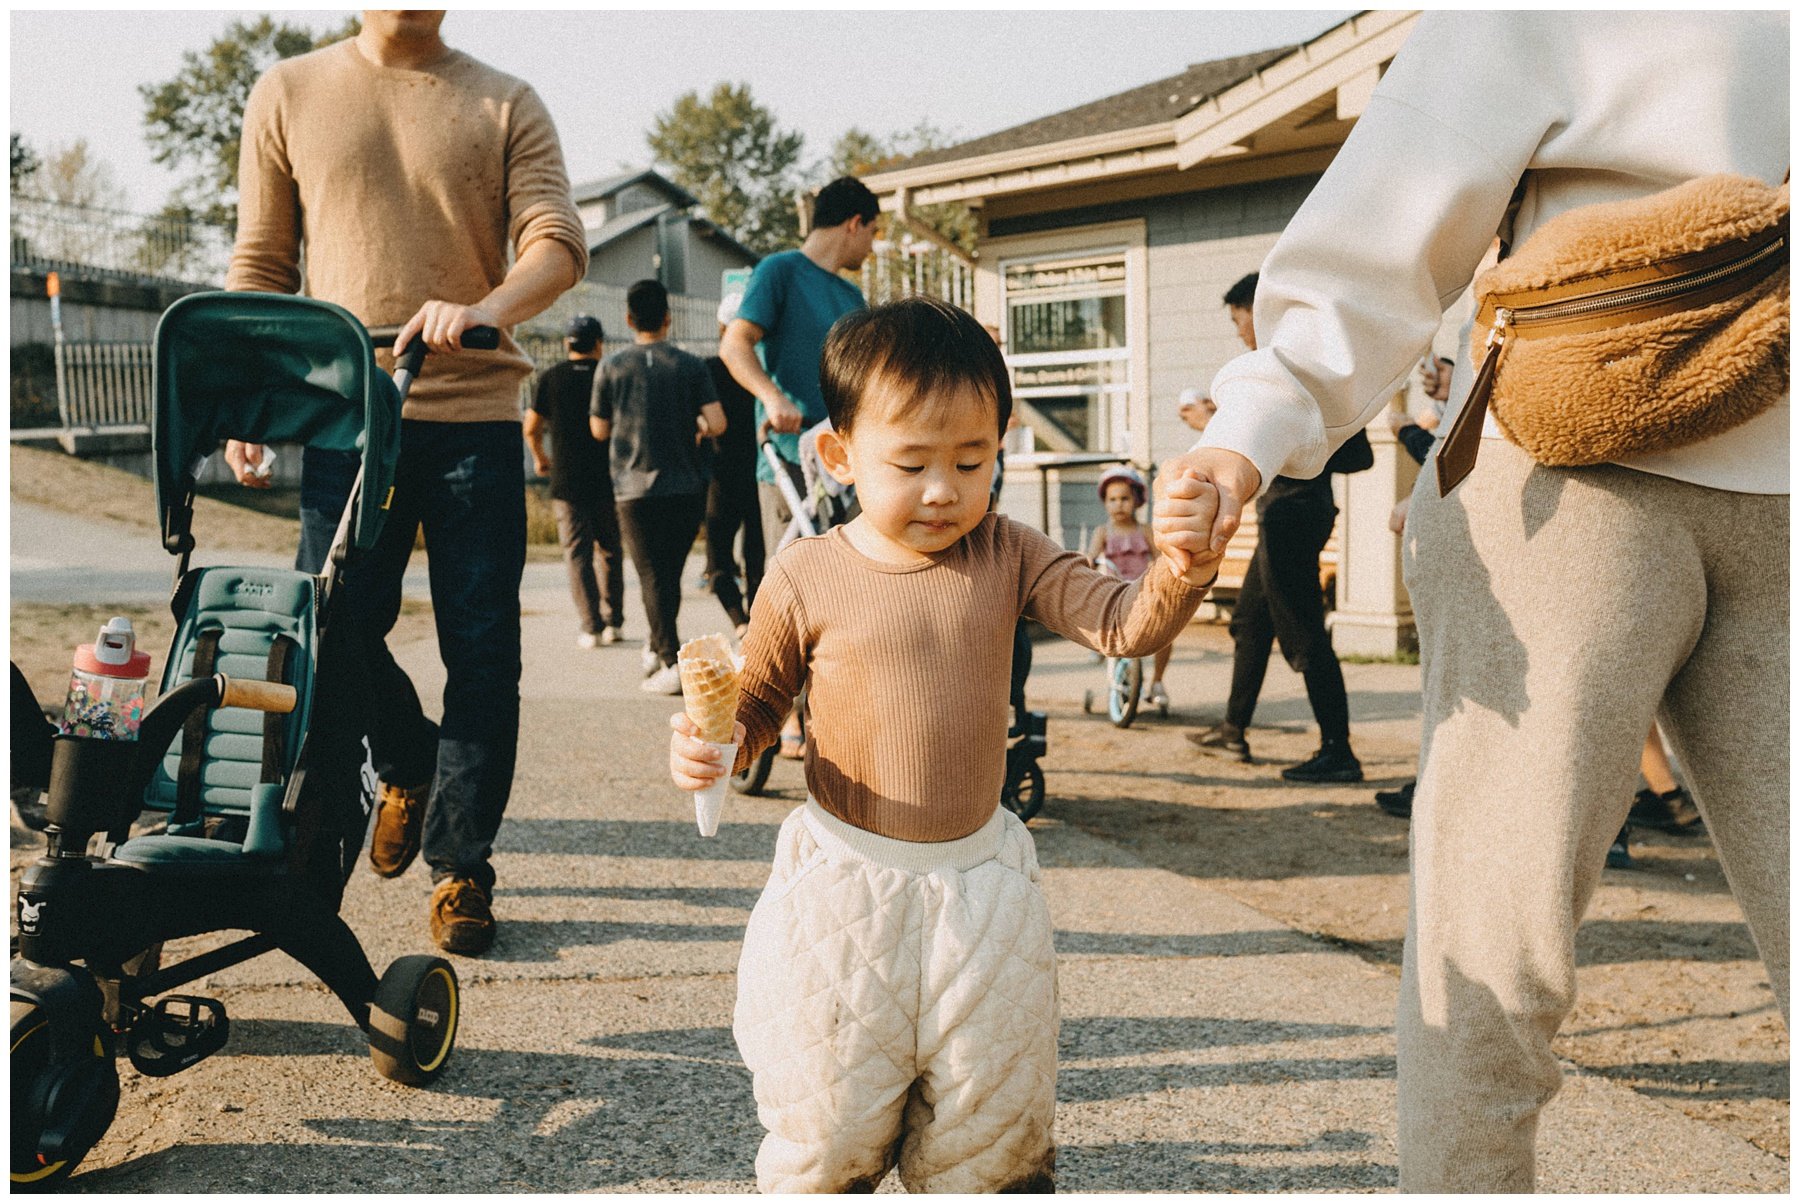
{"x": 86, "y": 975}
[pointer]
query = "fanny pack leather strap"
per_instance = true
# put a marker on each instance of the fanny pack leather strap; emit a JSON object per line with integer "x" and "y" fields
{"x": 1456, "y": 455}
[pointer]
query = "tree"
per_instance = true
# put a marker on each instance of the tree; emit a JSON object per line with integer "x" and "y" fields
{"x": 25, "y": 162}
{"x": 196, "y": 119}
{"x": 729, "y": 152}
{"x": 71, "y": 175}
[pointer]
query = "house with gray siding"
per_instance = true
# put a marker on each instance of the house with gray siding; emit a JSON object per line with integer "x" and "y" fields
{"x": 641, "y": 226}
{"x": 1108, "y": 236}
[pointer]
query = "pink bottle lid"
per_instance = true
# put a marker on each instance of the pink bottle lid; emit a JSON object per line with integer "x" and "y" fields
{"x": 113, "y": 652}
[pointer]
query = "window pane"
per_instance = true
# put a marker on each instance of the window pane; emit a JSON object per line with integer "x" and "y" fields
{"x": 1079, "y": 324}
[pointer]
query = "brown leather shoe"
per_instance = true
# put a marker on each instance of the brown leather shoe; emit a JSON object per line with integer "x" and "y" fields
{"x": 399, "y": 824}
{"x": 462, "y": 917}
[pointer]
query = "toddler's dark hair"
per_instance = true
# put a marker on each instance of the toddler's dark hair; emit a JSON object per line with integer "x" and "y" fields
{"x": 930, "y": 349}
{"x": 647, "y": 304}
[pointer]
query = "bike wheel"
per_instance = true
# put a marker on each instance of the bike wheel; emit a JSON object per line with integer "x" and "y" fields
{"x": 32, "y": 1067}
{"x": 756, "y": 773}
{"x": 1022, "y": 793}
{"x": 1125, "y": 677}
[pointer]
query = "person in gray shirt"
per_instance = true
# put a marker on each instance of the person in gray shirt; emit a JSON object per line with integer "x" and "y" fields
{"x": 654, "y": 401}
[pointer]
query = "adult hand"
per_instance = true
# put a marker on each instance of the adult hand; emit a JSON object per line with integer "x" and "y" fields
{"x": 1398, "y": 420}
{"x": 783, "y": 415}
{"x": 693, "y": 763}
{"x": 241, "y": 457}
{"x": 441, "y": 323}
{"x": 541, "y": 465}
{"x": 1237, "y": 481}
{"x": 1397, "y": 516}
{"x": 1183, "y": 522}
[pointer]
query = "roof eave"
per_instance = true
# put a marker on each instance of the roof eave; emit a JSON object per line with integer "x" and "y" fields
{"x": 1346, "y": 57}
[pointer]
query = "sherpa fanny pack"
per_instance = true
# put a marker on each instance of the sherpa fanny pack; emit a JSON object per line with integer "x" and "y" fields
{"x": 1634, "y": 327}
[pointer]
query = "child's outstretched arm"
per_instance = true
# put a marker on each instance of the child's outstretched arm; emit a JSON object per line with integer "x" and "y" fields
{"x": 1183, "y": 523}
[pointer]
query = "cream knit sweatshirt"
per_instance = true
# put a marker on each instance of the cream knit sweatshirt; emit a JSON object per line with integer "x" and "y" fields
{"x": 1588, "y": 107}
{"x": 404, "y": 186}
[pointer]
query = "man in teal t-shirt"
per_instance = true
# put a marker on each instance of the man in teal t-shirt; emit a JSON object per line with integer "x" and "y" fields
{"x": 772, "y": 347}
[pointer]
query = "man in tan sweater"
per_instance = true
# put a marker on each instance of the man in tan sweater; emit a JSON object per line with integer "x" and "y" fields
{"x": 407, "y": 171}
{"x": 897, "y": 989}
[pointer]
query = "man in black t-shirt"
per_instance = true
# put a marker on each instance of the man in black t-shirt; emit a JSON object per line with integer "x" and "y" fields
{"x": 731, "y": 500}
{"x": 653, "y": 401}
{"x": 1281, "y": 602}
{"x": 581, "y": 493}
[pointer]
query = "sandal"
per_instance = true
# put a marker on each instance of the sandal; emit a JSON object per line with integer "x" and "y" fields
{"x": 793, "y": 747}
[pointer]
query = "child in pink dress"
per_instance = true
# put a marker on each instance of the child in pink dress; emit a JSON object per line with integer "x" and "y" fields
{"x": 1125, "y": 543}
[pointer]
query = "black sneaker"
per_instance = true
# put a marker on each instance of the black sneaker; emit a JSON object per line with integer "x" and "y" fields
{"x": 1397, "y": 803}
{"x": 1671, "y": 812}
{"x": 1332, "y": 763}
{"x": 1618, "y": 857}
{"x": 1222, "y": 740}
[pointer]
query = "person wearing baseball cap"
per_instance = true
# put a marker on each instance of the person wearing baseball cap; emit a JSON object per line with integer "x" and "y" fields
{"x": 581, "y": 494}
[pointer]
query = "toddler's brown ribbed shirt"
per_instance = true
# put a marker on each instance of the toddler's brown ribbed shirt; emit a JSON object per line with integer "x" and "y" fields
{"x": 907, "y": 667}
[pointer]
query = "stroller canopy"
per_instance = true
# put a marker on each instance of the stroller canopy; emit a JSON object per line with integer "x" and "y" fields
{"x": 271, "y": 368}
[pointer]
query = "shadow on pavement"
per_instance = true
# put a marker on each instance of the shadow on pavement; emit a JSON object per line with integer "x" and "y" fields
{"x": 661, "y": 839}
{"x": 1197, "y": 1166}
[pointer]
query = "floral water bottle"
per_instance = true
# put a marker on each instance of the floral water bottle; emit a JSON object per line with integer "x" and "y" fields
{"x": 106, "y": 686}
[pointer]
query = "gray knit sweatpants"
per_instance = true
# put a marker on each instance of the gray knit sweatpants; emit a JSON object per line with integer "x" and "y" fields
{"x": 1558, "y": 609}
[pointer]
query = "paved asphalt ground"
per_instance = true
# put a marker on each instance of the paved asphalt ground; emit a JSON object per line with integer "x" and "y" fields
{"x": 1205, "y": 1046}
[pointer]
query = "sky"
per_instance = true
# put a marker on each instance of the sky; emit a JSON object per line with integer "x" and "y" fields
{"x": 606, "y": 74}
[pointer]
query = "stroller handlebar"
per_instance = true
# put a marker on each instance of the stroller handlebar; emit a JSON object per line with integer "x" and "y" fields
{"x": 255, "y": 695}
{"x": 475, "y": 338}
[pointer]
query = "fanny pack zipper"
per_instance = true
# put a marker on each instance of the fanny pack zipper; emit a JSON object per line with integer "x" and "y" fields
{"x": 1628, "y": 298}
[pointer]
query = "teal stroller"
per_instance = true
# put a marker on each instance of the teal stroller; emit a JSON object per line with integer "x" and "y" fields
{"x": 254, "y": 750}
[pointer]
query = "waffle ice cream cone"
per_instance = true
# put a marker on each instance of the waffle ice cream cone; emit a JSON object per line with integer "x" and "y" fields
{"x": 709, "y": 686}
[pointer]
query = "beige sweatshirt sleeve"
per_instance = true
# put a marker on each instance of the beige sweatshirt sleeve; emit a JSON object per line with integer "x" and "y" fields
{"x": 775, "y": 655}
{"x": 266, "y": 256}
{"x": 538, "y": 199}
{"x": 1095, "y": 610}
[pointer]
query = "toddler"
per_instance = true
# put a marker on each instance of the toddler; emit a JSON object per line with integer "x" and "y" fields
{"x": 897, "y": 988}
{"x": 1123, "y": 542}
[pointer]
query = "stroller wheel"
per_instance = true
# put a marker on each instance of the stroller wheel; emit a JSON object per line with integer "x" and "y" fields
{"x": 1023, "y": 791}
{"x": 756, "y": 774}
{"x": 412, "y": 1026}
{"x": 44, "y": 1094}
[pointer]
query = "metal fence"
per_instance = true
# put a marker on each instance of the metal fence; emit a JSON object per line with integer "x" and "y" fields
{"x": 695, "y": 327}
{"x": 105, "y": 385}
{"x": 55, "y": 237}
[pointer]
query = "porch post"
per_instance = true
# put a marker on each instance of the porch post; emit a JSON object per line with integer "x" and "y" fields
{"x": 1374, "y": 614}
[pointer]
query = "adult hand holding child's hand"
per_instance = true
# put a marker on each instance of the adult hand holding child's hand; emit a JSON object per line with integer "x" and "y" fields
{"x": 693, "y": 763}
{"x": 1183, "y": 522}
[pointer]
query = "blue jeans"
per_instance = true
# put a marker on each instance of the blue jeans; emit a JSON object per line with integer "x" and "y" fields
{"x": 464, "y": 483}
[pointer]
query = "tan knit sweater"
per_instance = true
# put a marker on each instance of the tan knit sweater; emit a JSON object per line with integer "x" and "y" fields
{"x": 907, "y": 667}
{"x": 405, "y": 186}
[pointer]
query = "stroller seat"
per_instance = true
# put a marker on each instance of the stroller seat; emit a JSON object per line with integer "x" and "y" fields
{"x": 248, "y": 624}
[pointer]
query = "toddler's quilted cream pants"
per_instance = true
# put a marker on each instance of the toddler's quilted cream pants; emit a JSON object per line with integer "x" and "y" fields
{"x": 1558, "y": 610}
{"x": 897, "y": 1002}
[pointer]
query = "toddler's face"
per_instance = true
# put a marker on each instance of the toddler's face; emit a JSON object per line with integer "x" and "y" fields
{"x": 1121, "y": 503}
{"x": 922, "y": 478}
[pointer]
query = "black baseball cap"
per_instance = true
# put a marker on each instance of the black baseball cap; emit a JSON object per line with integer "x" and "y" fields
{"x": 584, "y": 331}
